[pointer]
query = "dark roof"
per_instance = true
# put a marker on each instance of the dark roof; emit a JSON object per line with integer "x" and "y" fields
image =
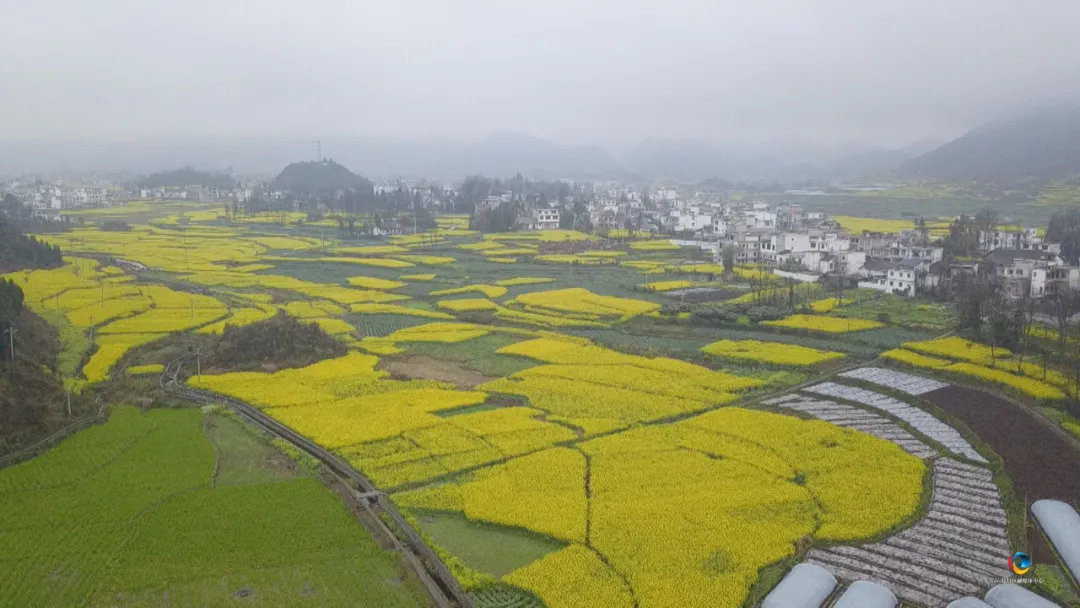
{"x": 911, "y": 263}
{"x": 873, "y": 265}
{"x": 1006, "y": 256}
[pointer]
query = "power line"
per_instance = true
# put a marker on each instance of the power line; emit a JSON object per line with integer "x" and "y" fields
{"x": 11, "y": 331}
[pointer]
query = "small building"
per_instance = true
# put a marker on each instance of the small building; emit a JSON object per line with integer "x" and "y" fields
{"x": 546, "y": 219}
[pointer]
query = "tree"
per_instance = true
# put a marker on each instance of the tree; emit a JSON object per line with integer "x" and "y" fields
{"x": 727, "y": 255}
{"x": 1064, "y": 228}
{"x": 963, "y": 239}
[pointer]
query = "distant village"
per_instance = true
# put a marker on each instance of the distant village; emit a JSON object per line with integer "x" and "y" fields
{"x": 787, "y": 239}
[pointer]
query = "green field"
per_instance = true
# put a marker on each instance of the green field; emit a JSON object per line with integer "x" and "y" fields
{"x": 176, "y": 507}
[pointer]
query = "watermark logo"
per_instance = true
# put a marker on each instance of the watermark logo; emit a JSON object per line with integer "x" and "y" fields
{"x": 1020, "y": 563}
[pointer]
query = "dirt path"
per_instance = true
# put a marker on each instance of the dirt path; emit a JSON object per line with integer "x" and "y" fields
{"x": 428, "y": 368}
{"x": 1040, "y": 463}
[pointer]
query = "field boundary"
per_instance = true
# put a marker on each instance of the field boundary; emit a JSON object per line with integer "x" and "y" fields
{"x": 437, "y": 579}
{"x": 49, "y": 442}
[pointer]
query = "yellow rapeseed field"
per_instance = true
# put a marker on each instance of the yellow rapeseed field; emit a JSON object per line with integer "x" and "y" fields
{"x": 489, "y": 291}
{"x": 958, "y": 348}
{"x": 672, "y": 506}
{"x": 769, "y": 352}
{"x": 468, "y": 304}
{"x": 832, "y": 325}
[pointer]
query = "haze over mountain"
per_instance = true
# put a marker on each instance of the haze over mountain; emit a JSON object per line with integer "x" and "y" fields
{"x": 260, "y": 87}
{"x": 1043, "y": 144}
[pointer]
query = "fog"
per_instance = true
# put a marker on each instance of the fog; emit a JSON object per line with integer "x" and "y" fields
{"x": 607, "y": 72}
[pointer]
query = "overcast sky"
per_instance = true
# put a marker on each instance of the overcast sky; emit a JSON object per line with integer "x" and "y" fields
{"x": 584, "y": 71}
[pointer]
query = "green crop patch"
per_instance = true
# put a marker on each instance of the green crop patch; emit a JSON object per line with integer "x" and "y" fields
{"x": 125, "y": 513}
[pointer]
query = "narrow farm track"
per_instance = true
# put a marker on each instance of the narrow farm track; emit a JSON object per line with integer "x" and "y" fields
{"x": 1040, "y": 463}
{"x": 440, "y": 583}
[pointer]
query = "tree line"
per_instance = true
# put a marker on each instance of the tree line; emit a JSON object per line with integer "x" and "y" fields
{"x": 20, "y": 251}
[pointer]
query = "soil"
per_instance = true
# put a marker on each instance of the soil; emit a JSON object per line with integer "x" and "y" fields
{"x": 277, "y": 461}
{"x": 1040, "y": 463}
{"x": 429, "y": 368}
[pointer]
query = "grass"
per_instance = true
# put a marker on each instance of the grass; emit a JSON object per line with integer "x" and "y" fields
{"x": 496, "y": 550}
{"x": 901, "y": 311}
{"x": 125, "y": 513}
{"x": 477, "y": 354}
{"x": 383, "y": 324}
{"x": 74, "y": 344}
{"x": 242, "y": 457}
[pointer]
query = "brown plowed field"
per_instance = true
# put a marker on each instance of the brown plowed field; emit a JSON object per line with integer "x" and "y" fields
{"x": 1040, "y": 463}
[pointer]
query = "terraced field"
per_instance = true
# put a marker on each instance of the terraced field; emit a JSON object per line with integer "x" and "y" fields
{"x": 551, "y": 425}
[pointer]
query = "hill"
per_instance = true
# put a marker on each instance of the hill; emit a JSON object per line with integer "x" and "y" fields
{"x": 18, "y": 251}
{"x": 187, "y": 176}
{"x": 1043, "y": 145}
{"x": 318, "y": 176}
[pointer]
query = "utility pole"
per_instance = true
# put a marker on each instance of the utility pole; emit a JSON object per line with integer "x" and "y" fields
{"x": 198, "y": 362}
{"x": 11, "y": 331}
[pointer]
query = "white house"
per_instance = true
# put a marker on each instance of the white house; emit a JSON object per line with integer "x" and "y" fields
{"x": 546, "y": 219}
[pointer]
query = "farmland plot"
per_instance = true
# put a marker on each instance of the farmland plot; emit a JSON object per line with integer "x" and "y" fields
{"x": 131, "y": 513}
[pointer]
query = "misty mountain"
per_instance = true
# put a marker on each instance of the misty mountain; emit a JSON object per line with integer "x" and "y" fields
{"x": 714, "y": 183}
{"x": 318, "y": 176}
{"x": 923, "y": 145}
{"x": 187, "y": 176}
{"x": 693, "y": 160}
{"x": 1043, "y": 144}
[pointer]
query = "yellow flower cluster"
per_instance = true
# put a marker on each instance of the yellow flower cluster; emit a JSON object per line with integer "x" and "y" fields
{"x": 915, "y": 359}
{"x": 703, "y": 268}
{"x": 380, "y": 262}
{"x": 545, "y": 236}
{"x": 438, "y": 332}
{"x": 658, "y": 245}
{"x": 769, "y": 352}
{"x": 468, "y": 305}
{"x": 686, "y": 513}
{"x": 165, "y": 320}
{"x": 832, "y": 325}
{"x": 427, "y": 260}
{"x": 489, "y": 291}
{"x": 544, "y": 320}
{"x": 251, "y": 268}
{"x": 110, "y": 349}
{"x": 960, "y": 349}
{"x": 417, "y": 277}
{"x": 239, "y": 317}
{"x": 667, "y": 285}
{"x": 370, "y": 250}
{"x": 98, "y": 314}
{"x": 571, "y": 577}
{"x": 374, "y": 283}
{"x": 858, "y": 225}
{"x": 172, "y": 251}
{"x": 304, "y": 309}
{"x": 523, "y": 281}
{"x": 337, "y": 293}
{"x": 567, "y": 259}
{"x": 139, "y": 370}
{"x": 580, "y": 300}
{"x": 828, "y": 304}
{"x": 332, "y": 326}
{"x": 592, "y": 387}
{"x": 602, "y": 254}
{"x": 501, "y": 260}
{"x": 1028, "y": 386}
